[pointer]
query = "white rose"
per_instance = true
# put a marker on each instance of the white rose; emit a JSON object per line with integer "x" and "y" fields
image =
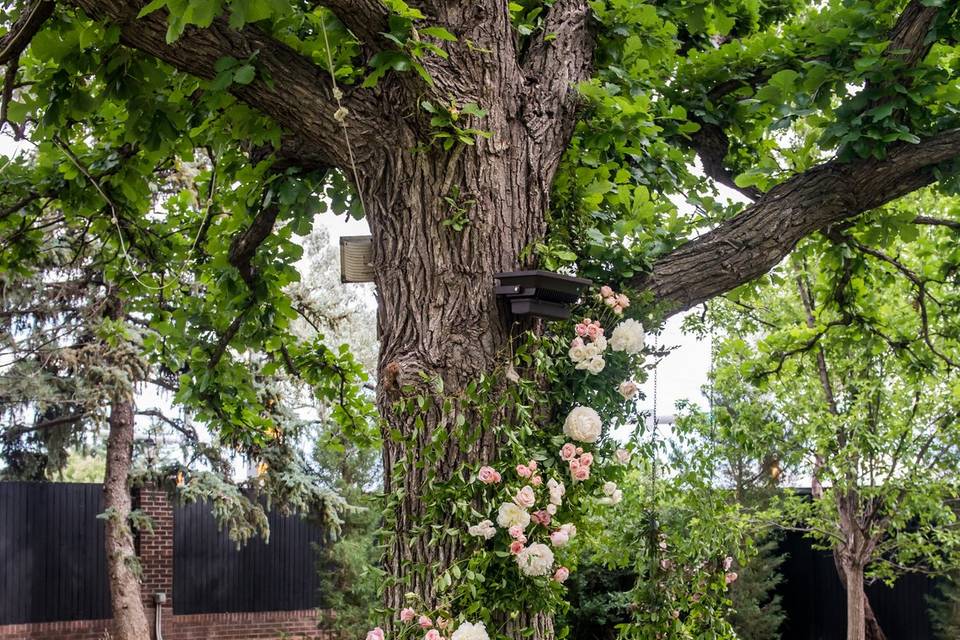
{"x": 483, "y": 529}
{"x": 557, "y": 491}
{"x": 535, "y": 560}
{"x": 552, "y": 509}
{"x": 628, "y": 336}
{"x": 596, "y": 365}
{"x": 578, "y": 354}
{"x": 628, "y": 389}
{"x": 613, "y": 498}
{"x": 623, "y": 456}
{"x": 609, "y": 488}
{"x": 583, "y": 425}
{"x": 468, "y": 631}
{"x": 510, "y": 515}
{"x": 600, "y": 343}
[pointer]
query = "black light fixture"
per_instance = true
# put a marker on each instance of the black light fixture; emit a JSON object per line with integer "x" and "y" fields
{"x": 542, "y": 294}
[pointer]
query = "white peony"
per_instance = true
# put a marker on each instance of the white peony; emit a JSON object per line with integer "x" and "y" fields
{"x": 483, "y": 529}
{"x": 600, "y": 343}
{"x": 468, "y": 631}
{"x": 627, "y": 336}
{"x": 583, "y": 425}
{"x": 511, "y": 515}
{"x": 535, "y": 560}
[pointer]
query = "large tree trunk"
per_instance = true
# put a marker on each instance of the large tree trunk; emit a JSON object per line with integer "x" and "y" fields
{"x": 129, "y": 619}
{"x": 438, "y": 316}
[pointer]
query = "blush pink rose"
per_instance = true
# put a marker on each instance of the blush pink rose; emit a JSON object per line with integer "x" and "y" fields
{"x": 623, "y": 301}
{"x": 524, "y": 471}
{"x": 536, "y": 481}
{"x": 525, "y": 497}
{"x": 533, "y": 465}
{"x": 582, "y": 473}
{"x": 516, "y": 547}
{"x": 561, "y": 574}
{"x": 731, "y": 577}
{"x": 407, "y": 615}
{"x": 576, "y": 343}
{"x": 606, "y": 291}
{"x": 516, "y": 532}
{"x": 375, "y": 634}
{"x": 433, "y": 634}
{"x": 574, "y": 465}
{"x": 586, "y": 460}
{"x": 568, "y": 451}
{"x": 581, "y": 329}
{"x": 488, "y": 475}
{"x": 559, "y": 538}
{"x": 425, "y": 622}
{"x": 594, "y": 331}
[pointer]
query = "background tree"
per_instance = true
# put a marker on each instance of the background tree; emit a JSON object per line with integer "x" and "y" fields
{"x": 440, "y": 111}
{"x": 852, "y": 344}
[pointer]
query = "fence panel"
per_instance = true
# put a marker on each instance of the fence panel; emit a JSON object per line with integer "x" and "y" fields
{"x": 52, "y": 553}
{"x": 210, "y": 575}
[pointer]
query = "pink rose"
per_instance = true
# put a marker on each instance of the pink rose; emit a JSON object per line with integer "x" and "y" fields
{"x": 425, "y": 622}
{"x": 433, "y": 634}
{"x": 559, "y": 538}
{"x": 533, "y": 465}
{"x": 576, "y": 343}
{"x": 623, "y": 456}
{"x": 617, "y": 309}
{"x": 536, "y": 481}
{"x": 568, "y": 451}
{"x": 516, "y": 547}
{"x": 516, "y": 532}
{"x": 581, "y": 330}
{"x": 606, "y": 291}
{"x": 574, "y": 465}
{"x": 731, "y": 577}
{"x": 582, "y": 473}
{"x": 586, "y": 460}
{"x": 541, "y": 517}
{"x": 375, "y": 634}
{"x": 727, "y": 563}
{"x": 488, "y": 475}
{"x": 579, "y": 451}
{"x": 525, "y": 497}
{"x": 524, "y": 471}
{"x": 623, "y": 301}
{"x": 594, "y": 331}
{"x": 561, "y": 574}
{"x": 442, "y": 623}
{"x": 407, "y": 615}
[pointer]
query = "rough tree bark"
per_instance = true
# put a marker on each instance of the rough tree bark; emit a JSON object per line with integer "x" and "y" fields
{"x": 437, "y": 314}
{"x": 129, "y": 619}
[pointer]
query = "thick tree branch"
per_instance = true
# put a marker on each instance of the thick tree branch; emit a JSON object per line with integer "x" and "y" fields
{"x": 288, "y": 87}
{"x": 366, "y": 19}
{"x": 22, "y": 31}
{"x": 755, "y": 241}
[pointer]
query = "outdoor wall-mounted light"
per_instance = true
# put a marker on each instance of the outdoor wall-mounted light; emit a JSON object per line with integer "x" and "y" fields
{"x": 356, "y": 259}
{"x": 543, "y": 294}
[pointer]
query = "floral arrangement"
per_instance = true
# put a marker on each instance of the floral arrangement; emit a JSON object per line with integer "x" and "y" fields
{"x": 525, "y": 507}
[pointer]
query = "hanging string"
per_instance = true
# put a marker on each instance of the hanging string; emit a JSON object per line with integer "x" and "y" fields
{"x": 712, "y": 389}
{"x": 340, "y": 115}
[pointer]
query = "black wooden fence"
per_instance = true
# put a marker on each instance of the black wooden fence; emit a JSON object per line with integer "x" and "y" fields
{"x": 52, "y": 562}
{"x": 210, "y": 575}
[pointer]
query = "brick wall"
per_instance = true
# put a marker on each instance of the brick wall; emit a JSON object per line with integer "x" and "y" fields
{"x": 156, "y": 560}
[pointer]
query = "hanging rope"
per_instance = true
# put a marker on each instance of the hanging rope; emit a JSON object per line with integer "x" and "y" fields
{"x": 340, "y": 115}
